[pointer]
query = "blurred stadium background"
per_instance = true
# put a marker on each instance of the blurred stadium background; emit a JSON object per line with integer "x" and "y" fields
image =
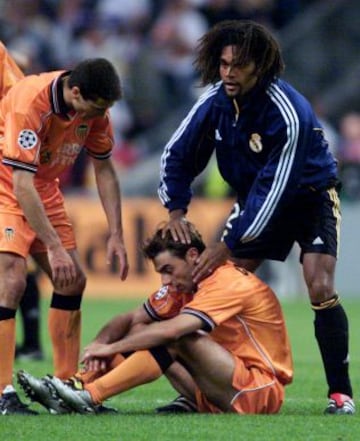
{"x": 152, "y": 42}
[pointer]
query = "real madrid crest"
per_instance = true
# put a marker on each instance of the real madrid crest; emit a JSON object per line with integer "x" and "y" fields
{"x": 255, "y": 143}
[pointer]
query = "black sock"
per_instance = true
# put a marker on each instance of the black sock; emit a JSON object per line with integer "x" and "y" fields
{"x": 30, "y": 311}
{"x": 332, "y": 334}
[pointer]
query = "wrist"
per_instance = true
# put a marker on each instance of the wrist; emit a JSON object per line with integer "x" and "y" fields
{"x": 177, "y": 214}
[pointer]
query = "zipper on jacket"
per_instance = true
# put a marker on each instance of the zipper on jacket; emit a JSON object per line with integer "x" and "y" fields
{"x": 237, "y": 112}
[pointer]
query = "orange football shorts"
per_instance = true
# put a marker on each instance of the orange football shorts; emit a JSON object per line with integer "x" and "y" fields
{"x": 259, "y": 392}
{"x": 16, "y": 235}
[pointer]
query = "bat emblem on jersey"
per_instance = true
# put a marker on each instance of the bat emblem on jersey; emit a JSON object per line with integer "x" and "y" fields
{"x": 255, "y": 143}
{"x": 82, "y": 131}
{"x": 9, "y": 233}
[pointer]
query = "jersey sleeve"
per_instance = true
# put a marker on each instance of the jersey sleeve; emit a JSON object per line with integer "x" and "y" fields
{"x": 21, "y": 129}
{"x": 186, "y": 154}
{"x": 10, "y": 73}
{"x": 100, "y": 141}
{"x": 163, "y": 304}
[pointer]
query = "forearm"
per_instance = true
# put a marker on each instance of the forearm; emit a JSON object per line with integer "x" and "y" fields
{"x": 114, "y": 330}
{"x": 110, "y": 196}
{"x": 149, "y": 337}
{"x": 34, "y": 211}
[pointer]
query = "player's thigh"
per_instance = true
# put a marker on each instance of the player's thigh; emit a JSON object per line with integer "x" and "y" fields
{"x": 274, "y": 243}
{"x": 252, "y": 392}
{"x": 258, "y": 391}
{"x": 319, "y": 226}
{"x": 80, "y": 282}
{"x": 64, "y": 229}
{"x": 16, "y": 236}
{"x": 211, "y": 366}
{"x": 319, "y": 275}
{"x": 12, "y": 279}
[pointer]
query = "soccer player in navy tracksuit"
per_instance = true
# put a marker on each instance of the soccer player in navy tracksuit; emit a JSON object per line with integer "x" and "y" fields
{"x": 270, "y": 148}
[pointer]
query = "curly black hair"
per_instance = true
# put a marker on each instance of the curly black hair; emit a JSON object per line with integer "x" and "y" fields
{"x": 252, "y": 42}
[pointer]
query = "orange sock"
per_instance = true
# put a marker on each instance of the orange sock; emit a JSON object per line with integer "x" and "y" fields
{"x": 140, "y": 368}
{"x": 7, "y": 352}
{"x": 64, "y": 328}
{"x": 89, "y": 376}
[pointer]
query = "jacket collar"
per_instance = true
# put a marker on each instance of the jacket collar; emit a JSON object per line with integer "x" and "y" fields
{"x": 250, "y": 99}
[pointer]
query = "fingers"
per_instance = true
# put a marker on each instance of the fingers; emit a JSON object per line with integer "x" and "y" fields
{"x": 179, "y": 229}
{"x": 94, "y": 364}
{"x": 64, "y": 276}
{"x": 124, "y": 266}
{"x": 124, "y": 271}
{"x": 201, "y": 271}
{"x": 116, "y": 247}
{"x": 63, "y": 268}
{"x": 211, "y": 258}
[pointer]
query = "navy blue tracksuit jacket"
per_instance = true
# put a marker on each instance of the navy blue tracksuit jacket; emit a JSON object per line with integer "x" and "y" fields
{"x": 270, "y": 151}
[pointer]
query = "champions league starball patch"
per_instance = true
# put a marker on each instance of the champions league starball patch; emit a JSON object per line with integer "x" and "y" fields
{"x": 161, "y": 293}
{"x": 27, "y": 139}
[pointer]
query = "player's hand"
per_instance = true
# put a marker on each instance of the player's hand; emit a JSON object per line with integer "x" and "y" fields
{"x": 211, "y": 258}
{"x": 178, "y": 226}
{"x": 96, "y": 351}
{"x": 95, "y": 364}
{"x": 116, "y": 247}
{"x": 62, "y": 266}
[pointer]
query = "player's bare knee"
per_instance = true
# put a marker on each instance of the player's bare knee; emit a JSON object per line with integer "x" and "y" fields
{"x": 321, "y": 291}
{"x": 81, "y": 282}
{"x": 76, "y": 288}
{"x": 11, "y": 295}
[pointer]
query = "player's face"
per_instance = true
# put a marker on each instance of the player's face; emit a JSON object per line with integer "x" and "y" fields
{"x": 238, "y": 80}
{"x": 176, "y": 272}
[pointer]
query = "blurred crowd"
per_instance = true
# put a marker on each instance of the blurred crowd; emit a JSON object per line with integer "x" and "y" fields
{"x": 151, "y": 42}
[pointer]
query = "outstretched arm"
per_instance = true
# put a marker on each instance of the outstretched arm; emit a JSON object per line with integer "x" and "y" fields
{"x": 109, "y": 191}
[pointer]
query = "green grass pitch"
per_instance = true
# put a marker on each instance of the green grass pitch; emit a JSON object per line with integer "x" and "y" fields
{"x": 300, "y": 418}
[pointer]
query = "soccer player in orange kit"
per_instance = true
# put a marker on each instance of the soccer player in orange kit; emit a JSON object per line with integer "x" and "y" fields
{"x": 45, "y": 120}
{"x": 11, "y": 66}
{"x": 229, "y": 336}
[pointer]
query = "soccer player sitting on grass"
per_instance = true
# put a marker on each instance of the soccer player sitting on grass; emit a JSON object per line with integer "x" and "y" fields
{"x": 227, "y": 334}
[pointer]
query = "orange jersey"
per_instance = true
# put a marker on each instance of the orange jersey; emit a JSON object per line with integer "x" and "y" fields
{"x": 40, "y": 135}
{"x": 10, "y": 73}
{"x": 245, "y": 317}
{"x": 164, "y": 304}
